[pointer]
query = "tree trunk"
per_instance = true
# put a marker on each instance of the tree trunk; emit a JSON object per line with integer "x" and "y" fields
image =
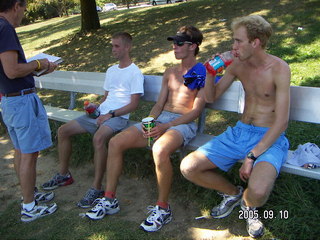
{"x": 89, "y": 15}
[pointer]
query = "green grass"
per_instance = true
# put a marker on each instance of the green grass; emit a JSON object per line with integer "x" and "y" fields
{"x": 152, "y": 53}
{"x": 62, "y": 225}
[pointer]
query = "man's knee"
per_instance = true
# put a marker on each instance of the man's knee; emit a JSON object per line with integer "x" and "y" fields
{"x": 99, "y": 141}
{"x": 69, "y": 129}
{"x": 62, "y": 131}
{"x": 188, "y": 167}
{"x": 258, "y": 194}
{"x": 160, "y": 151}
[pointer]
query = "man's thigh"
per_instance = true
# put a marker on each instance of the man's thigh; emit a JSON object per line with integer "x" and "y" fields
{"x": 72, "y": 127}
{"x": 170, "y": 141}
{"x": 116, "y": 124}
{"x": 262, "y": 177}
{"x": 131, "y": 137}
{"x": 104, "y": 133}
{"x": 86, "y": 123}
{"x": 276, "y": 155}
{"x": 197, "y": 161}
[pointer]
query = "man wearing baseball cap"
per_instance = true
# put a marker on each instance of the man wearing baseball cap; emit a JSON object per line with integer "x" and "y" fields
{"x": 179, "y": 103}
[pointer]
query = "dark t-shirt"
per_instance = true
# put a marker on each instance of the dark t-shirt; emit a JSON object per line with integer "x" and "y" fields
{"x": 9, "y": 42}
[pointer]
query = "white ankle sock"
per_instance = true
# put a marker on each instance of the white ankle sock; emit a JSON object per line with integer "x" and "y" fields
{"x": 28, "y": 206}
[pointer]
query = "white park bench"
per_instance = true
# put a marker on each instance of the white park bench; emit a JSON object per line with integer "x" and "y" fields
{"x": 304, "y": 104}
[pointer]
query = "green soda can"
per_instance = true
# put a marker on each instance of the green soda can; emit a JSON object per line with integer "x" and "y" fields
{"x": 149, "y": 123}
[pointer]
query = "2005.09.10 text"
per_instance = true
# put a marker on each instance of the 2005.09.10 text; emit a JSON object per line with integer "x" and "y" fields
{"x": 265, "y": 214}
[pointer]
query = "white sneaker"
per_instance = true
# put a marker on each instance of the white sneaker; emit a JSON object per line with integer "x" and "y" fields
{"x": 38, "y": 211}
{"x": 158, "y": 217}
{"x": 255, "y": 227}
{"x": 41, "y": 197}
{"x": 104, "y": 206}
{"x": 228, "y": 203}
{"x": 89, "y": 198}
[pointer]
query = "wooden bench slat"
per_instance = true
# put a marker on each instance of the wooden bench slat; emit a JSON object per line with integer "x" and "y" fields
{"x": 62, "y": 115}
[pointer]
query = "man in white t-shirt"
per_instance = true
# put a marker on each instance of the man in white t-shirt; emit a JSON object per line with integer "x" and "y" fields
{"x": 180, "y": 102}
{"x": 123, "y": 87}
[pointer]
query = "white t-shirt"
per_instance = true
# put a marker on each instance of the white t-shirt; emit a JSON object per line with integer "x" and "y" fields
{"x": 121, "y": 83}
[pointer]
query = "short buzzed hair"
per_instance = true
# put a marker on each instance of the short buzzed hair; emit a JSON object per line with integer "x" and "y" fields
{"x": 257, "y": 27}
{"x": 125, "y": 37}
{"x": 6, "y": 5}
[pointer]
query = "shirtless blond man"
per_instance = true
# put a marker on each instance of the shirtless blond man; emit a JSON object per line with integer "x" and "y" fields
{"x": 175, "y": 111}
{"x": 258, "y": 137}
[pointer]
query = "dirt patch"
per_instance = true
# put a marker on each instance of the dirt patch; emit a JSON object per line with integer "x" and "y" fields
{"x": 134, "y": 196}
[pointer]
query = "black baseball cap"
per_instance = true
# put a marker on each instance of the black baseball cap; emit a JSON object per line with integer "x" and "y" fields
{"x": 182, "y": 37}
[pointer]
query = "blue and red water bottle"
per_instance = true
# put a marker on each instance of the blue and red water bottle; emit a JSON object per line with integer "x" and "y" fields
{"x": 91, "y": 109}
{"x": 219, "y": 63}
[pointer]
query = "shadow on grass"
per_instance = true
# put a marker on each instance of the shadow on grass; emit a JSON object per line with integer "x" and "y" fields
{"x": 151, "y": 26}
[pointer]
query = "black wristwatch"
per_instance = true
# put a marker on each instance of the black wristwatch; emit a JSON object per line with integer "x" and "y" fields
{"x": 112, "y": 112}
{"x": 251, "y": 156}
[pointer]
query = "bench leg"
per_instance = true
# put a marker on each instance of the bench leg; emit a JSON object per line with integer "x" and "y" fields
{"x": 72, "y": 100}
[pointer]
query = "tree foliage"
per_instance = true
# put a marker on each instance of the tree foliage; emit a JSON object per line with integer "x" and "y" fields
{"x": 45, "y": 9}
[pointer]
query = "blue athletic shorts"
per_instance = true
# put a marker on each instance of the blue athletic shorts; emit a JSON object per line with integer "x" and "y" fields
{"x": 235, "y": 143}
{"x": 27, "y": 123}
{"x": 187, "y": 131}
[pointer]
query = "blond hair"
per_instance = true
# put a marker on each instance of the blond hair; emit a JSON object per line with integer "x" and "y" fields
{"x": 257, "y": 27}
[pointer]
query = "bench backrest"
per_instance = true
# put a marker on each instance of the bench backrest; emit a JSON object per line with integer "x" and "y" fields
{"x": 304, "y": 100}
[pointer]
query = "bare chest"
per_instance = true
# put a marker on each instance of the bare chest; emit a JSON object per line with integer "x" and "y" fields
{"x": 178, "y": 89}
{"x": 258, "y": 83}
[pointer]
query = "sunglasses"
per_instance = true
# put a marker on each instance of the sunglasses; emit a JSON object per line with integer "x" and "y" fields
{"x": 181, "y": 43}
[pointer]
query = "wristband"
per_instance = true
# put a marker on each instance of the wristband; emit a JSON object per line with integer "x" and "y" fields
{"x": 39, "y": 65}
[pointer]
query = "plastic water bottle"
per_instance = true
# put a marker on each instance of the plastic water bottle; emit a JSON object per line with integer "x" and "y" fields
{"x": 91, "y": 109}
{"x": 219, "y": 62}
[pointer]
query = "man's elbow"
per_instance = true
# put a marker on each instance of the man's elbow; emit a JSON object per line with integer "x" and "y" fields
{"x": 209, "y": 99}
{"x": 134, "y": 106}
{"x": 11, "y": 75}
{"x": 285, "y": 124}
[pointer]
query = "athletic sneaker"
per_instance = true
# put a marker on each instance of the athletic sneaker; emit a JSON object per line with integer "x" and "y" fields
{"x": 38, "y": 211}
{"x": 89, "y": 198}
{"x": 226, "y": 206}
{"x": 255, "y": 227}
{"x": 103, "y": 206}
{"x": 57, "y": 181}
{"x": 42, "y": 197}
{"x": 158, "y": 217}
